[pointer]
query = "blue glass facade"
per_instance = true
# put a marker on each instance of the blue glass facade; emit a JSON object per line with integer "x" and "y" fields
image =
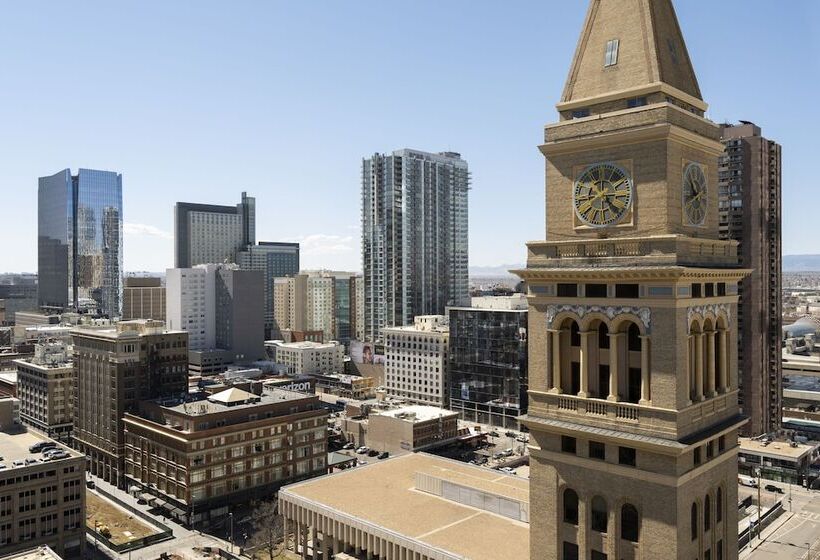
{"x": 80, "y": 241}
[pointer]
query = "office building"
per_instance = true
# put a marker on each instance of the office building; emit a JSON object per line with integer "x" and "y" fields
{"x": 116, "y": 367}
{"x": 632, "y": 412}
{"x": 307, "y": 357}
{"x": 220, "y": 306}
{"x": 79, "y": 241}
{"x": 10, "y": 413}
{"x": 345, "y": 306}
{"x": 196, "y": 458}
{"x": 358, "y": 308}
{"x": 45, "y": 387}
{"x": 487, "y": 366}
{"x": 416, "y": 360}
{"x": 42, "y": 502}
{"x": 17, "y": 297}
{"x": 316, "y": 301}
{"x": 749, "y": 189}
{"x": 143, "y": 298}
{"x": 405, "y": 429}
{"x": 416, "y": 506}
{"x": 207, "y": 233}
{"x": 274, "y": 260}
{"x": 414, "y": 236}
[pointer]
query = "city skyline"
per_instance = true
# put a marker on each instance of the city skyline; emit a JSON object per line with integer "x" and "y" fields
{"x": 157, "y": 123}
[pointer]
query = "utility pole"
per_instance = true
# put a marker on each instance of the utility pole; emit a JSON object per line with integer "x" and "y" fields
{"x": 759, "y": 525}
{"x": 230, "y": 517}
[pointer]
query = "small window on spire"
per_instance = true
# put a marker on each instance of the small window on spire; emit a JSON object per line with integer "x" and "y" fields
{"x": 611, "y": 58}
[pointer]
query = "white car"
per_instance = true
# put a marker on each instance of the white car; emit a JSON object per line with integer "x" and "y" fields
{"x": 362, "y": 450}
{"x": 348, "y": 446}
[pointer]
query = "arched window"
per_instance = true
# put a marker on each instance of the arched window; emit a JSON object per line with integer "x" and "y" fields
{"x": 693, "y": 521}
{"x": 630, "y": 523}
{"x": 600, "y": 514}
{"x": 574, "y": 334}
{"x": 634, "y": 338}
{"x": 707, "y": 514}
{"x": 603, "y": 336}
{"x": 719, "y": 506}
{"x": 570, "y": 507}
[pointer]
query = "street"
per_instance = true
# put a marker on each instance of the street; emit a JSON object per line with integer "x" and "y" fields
{"x": 792, "y": 535}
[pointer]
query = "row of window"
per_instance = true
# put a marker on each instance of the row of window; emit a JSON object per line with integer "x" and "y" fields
{"x": 626, "y": 455}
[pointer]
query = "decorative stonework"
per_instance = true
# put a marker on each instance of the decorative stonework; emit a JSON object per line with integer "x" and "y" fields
{"x": 714, "y": 309}
{"x": 643, "y": 313}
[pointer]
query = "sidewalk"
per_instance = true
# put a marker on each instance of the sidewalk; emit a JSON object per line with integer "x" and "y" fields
{"x": 766, "y": 533}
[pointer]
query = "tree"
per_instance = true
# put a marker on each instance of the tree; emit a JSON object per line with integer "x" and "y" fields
{"x": 267, "y": 530}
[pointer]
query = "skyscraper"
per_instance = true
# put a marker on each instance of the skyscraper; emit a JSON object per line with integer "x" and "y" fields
{"x": 414, "y": 236}
{"x": 749, "y": 189}
{"x": 207, "y": 233}
{"x": 79, "y": 241}
{"x": 633, "y": 298}
{"x": 274, "y": 259}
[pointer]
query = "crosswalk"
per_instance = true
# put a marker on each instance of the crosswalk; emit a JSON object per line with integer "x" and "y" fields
{"x": 809, "y": 515}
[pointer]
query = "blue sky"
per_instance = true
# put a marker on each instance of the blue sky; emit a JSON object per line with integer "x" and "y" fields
{"x": 198, "y": 101}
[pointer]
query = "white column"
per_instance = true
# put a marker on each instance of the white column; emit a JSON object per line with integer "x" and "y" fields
{"x": 615, "y": 340}
{"x": 555, "y": 359}
{"x": 710, "y": 364}
{"x": 698, "y": 366}
{"x": 584, "y": 365}
{"x": 724, "y": 360}
{"x": 690, "y": 364}
{"x": 646, "y": 375}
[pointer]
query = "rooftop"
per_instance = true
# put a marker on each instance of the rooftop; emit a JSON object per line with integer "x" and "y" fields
{"x": 230, "y": 399}
{"x": 40, "y": 553}
{"x": 304, "y": 345}
{"x": 14, "y": 447}
{"x": 418, "y": 413}
{"x": 775, "y": 449}
{"x": 393, "y": 502}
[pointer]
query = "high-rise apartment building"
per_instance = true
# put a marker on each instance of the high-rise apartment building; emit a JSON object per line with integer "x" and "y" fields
{"x": 45, "y": 387}
{"x": 487, "y": 366}
{"x": 633, "y": 411}
{"x": 220, "y": 306}
{"x": 116, "y": 367}
{"x": 749, "y": 188}
{"x": 207, "y": 233}
{"x": 416, "y": 360}
{"x": 79, "y": 241}
{"x": 414, "y": 236}
{"x": 275, "y": 260}
{"x": 143, "y": 298}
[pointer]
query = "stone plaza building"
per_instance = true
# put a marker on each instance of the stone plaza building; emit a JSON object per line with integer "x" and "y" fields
{"x": 633, "y": 385}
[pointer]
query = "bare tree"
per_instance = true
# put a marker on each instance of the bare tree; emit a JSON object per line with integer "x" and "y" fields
{"x": 267, "y": 530}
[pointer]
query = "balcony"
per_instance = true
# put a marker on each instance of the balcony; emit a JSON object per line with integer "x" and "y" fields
{"x": 663, "y": 250}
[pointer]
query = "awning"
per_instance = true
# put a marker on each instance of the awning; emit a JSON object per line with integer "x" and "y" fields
{"x": 176, "y": 512}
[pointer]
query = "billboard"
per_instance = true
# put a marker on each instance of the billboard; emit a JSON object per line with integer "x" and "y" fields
{"x": 364, "y": 353}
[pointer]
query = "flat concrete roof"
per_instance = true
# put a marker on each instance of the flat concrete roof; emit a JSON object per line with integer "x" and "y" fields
{"x": 40, "y": 553}
{"x": 14, "y": 447}
{"x": 775, "y": 448}
{"x": 417, "y": 413}
{"x": 206, "y": 405}
{"x": 384, "y": 494}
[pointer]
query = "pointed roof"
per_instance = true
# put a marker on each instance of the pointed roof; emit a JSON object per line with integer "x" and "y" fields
{"x": 233, "y": 396}
{"x": 651, "y": 55}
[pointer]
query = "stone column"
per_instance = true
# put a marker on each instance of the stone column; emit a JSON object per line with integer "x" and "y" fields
{"x": 690, "y": 364}
{"x": 698, "y": 366}
{"x": 710, "y": 364}
{"x": 724, "y": 360}
{"x": 555, "y": 359}
{"x": 615, "y": 340}
{"x": 584, "y": 365}
{"x": 646, "y": 374}
{"x": 312, "y": 540}
{"x": 285, "y": 527}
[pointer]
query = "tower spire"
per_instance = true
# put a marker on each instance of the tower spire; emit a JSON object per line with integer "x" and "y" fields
{"x": 630, "y": 48}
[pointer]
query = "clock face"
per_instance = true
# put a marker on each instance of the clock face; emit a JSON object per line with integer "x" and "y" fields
{"x": 603, "y": 194}
{"x": 694, "y": 194}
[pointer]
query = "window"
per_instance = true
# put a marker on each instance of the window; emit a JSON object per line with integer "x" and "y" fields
{"x": 598, "y": 555}
{"x": 693, "y": 521}
{"x": 611, "y": 56}
{"x": 721, "y": 444}
{"x": 636, "y": 102}
{"x": 696, "y": 457}
{"x": 626, "y": 456}
{"x": 567, "y": 290}
{"x": 599, "y": 514}
{"x": 568, "y": 444}
{"x": 570, "y": 551}
{"x": 719, "y": 550}
{"x": 719, "y": 508}
{"x": 710, "y": 290}
{"x": 570, "y": 507}
{"x": 630, "y": 291}
{"x": 630, "y": 523}
{"x": 580, "y": 113}
{"x": 597, "y": 450}
{"x": 721, "y": 288}
{"x": 710, "y": 449}
{"x": 595, "y": 290}
{"x": 707, "y": 514}
{"x": 697, "y": 290}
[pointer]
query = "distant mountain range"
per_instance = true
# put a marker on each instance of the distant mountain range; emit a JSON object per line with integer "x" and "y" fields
{"x": 801, "y": 263}
{"x": 494, "y": 271}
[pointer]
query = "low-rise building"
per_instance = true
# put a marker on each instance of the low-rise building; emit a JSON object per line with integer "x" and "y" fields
{"x": 416, "y": 360}
{"x": 347, "y": 386}
{"x": 784, "y": 461}
{"x": 42, "y": 501}
{"x": 196, "y": 458}
{"x": 45, "y": 387}
{"x": 39, "y": 553}
{"x": 307, "y": 357}
{"x": 401, "y": 429}
{"x": 417, "y": 506}
{"x": 10, "y": 413}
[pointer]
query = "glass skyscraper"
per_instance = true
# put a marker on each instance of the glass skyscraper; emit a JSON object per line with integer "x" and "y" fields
{"x": 414, "y": 236}
{"x": 276, "y": 260}
{"x": 79, "y": 241}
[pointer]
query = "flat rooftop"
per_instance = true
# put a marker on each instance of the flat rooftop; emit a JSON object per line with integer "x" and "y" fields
{"x": 207, "y": 405}
{"x": 14, "y": 447}
{"x": 775, "y": 448}
{"x": 303, "y": 345}
{"x": 418, "y": 413}
{"x": 40, "y": 553}
{"x": 384, "y": 494}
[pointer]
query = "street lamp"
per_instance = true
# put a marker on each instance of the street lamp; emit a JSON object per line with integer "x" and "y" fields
{"x": 230, "y": 517}
{"x": 759, "y": 524}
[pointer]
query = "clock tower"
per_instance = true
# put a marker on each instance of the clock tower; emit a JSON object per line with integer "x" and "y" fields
{"x": 633, "y": 308}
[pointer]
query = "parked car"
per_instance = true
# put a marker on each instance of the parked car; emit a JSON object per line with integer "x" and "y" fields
{"x": 773, "y": 488}
{"x": 384, "y": 455}
{"x": 493, "y": 433}
{"x": 90, "y": 484}
{"x": 362, "y": 450}
{"x": 372, "y": 453}
{"x": 510, "y": 434}
{"x": 41, "y": 446}
{"x": 348, "y": 446}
